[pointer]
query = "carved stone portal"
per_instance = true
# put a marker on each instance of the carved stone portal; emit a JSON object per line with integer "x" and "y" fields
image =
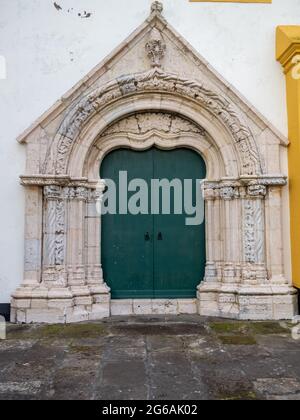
{"x": 185, "y": 104}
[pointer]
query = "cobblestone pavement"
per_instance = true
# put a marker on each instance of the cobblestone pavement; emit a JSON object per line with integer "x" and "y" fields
{"x": 185, "y": 358}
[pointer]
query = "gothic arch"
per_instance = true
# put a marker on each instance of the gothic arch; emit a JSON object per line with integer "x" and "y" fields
{"x": 154, "y": 90}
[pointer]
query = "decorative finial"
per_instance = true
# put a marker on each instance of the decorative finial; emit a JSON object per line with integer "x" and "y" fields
{"x": 157, "y": 7}
{"x": 156, "y": 47}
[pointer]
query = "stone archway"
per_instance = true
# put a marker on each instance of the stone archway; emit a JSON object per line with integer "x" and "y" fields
{"x": 245, "y": 274}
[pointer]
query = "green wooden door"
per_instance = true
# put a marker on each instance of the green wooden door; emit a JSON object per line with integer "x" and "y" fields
{"x": 153, "y": 255}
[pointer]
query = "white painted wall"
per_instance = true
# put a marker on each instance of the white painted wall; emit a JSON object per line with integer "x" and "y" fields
{"x": 47, "y": 51}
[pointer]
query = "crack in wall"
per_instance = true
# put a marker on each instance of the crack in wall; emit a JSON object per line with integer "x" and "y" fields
{"x": 82, "y": 15}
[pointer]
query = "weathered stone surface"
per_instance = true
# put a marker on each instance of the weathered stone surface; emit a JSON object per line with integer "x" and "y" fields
{"x": 159, "y": 357}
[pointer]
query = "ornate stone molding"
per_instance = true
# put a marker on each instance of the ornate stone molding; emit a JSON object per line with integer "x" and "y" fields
{"x": 247, "y": 188}
{"x": 146, "y": 122}
{"x": 157, "y": 80}
{"x": 58, "y": 181}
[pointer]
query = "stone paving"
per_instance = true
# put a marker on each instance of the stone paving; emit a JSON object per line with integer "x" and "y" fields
{"x": 151, "y": 358}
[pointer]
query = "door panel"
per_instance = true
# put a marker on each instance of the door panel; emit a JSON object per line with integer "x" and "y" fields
{"x": 127, "y": 256}
{"x": 179, "y": 252}
{"x": 169, "y": 261}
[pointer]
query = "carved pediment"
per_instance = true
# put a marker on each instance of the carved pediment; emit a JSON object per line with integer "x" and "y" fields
{"x": 153, "y": 60}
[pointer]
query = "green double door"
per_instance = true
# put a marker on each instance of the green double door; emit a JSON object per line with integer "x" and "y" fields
{"x": 153, "y": 255}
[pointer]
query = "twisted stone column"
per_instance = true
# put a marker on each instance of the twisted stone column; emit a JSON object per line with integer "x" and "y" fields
{"x": 77, "y": 201}
{"x": 254, "y": 252}
{"x": 231, "y": 205}
{"x": 54, "y": 273}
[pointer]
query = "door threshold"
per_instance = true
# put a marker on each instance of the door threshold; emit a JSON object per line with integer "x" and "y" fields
{"x": 154, "y": 307}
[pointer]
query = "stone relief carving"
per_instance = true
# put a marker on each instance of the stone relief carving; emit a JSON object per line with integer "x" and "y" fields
{"x": 156, "y": 47}
{"x": 228, "y": 193}
{"x": 249, "y": 232}
{"x": 157, "y": 7}
{"x": 145, "y": 122}
{"x": 157, "y": 81}
{"x": 52, "y": 192}
{"x": 55, "y": 225}
{"x": 257, "y": 190}
{"x": 60, "y": 233}
{"x": 254, "y": 241}
{"x": 260, "y": 231}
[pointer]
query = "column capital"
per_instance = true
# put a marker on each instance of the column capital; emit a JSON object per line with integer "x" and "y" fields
{"x": 52, "y": 192}
{"x": 288, "y": 46}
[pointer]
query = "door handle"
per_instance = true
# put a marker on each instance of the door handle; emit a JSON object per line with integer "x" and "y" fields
{"x": 159, "y": 237}
{"x": 147, "y": 237}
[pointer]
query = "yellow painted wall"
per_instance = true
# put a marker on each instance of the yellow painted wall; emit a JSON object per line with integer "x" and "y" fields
{"x": 288, "y": 53}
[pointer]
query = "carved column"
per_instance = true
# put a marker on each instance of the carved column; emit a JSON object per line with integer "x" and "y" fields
{"x": 93, "y": 236}
{"x": 230, "y": 196}
{"x": 77, "y": 200}
{"x": 33, "y": 236}
{"x": 211, "y": 222}
{"x": 100, "y": 292}
{"x": 218, "y": 236}
{"x": 54, "y": 237}
{"x": 254, "y": 270}
{"x": 275, "y": 244}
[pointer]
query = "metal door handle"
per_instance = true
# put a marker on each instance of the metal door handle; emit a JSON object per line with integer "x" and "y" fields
{"x": 160, "y": 237}
{"x": 147, "y": 237}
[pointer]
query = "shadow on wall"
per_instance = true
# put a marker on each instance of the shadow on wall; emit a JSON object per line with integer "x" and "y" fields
{"x": 5, "y": 311}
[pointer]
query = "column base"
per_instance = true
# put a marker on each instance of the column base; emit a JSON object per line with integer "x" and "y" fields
{"x": 42, "y": 304}
{"x": 244, "y": 302}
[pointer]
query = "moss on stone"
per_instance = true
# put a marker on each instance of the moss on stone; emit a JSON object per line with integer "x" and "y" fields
{"x": 69, "y": 331}
{"x": 268, "y": 328}
{"x": 240, "y": 396}
{"x": 238, "y": 340}
{"x": 228, "y": 327}
{"x": 20, "y": 332}
{"x": 82, "y": 330}
{"x": 248, "y": 328}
